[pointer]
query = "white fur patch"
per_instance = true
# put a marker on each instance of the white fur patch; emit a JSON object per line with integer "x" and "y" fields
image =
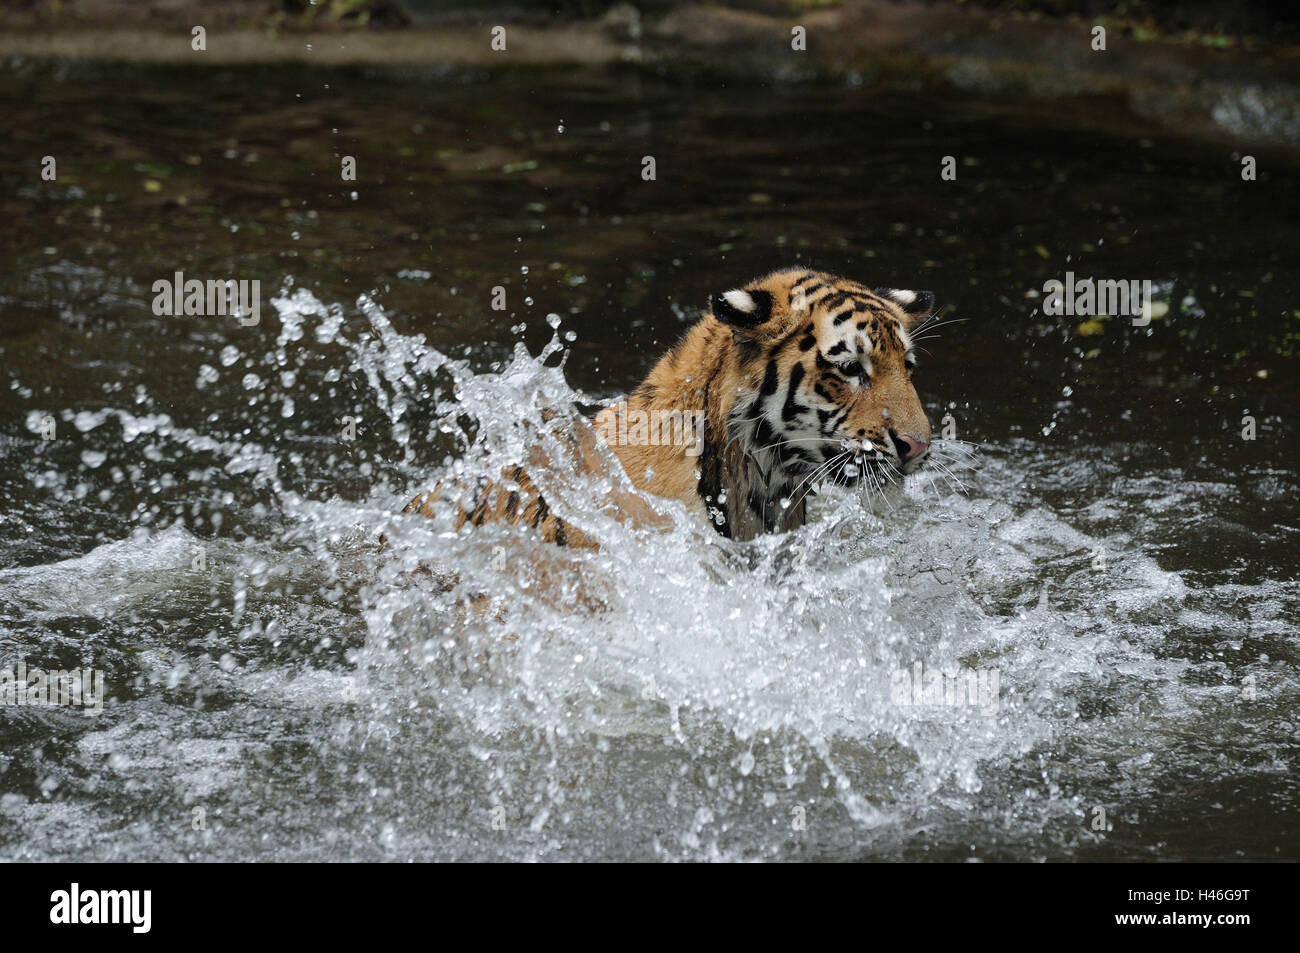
{"x": 902, "y": 296}
{"x": 740, "y": 300}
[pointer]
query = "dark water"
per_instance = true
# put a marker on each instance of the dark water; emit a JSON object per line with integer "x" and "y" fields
{"x": 1124, "y": 558}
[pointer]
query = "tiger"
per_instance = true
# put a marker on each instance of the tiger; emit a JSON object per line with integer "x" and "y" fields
{"x": 795, "y": 379}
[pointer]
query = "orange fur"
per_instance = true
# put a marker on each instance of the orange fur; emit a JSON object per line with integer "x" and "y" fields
{"x": 785, "y": 376}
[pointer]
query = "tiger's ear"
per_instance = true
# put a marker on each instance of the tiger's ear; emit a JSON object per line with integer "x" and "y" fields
{"x": 915, "y": 304}
{"x": 742, "y": 309}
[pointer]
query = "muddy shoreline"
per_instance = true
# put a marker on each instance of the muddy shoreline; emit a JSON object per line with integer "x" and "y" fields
{"x": 1243, "y": 91}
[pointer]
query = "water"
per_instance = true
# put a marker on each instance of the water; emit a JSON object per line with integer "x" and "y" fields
{"x": 204, "y": 526}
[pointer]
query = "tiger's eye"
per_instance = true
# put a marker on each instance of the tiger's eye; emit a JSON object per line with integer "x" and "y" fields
{"x": 852, "y": 371}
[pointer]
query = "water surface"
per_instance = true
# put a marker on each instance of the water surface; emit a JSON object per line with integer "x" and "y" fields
{"x": 1123, "y": 559}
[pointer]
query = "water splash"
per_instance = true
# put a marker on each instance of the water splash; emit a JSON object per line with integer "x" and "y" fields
{"x": 485, "y": 694}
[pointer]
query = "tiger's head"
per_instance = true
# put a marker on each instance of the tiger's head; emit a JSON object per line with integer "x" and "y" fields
{"x": 825, "y": 367}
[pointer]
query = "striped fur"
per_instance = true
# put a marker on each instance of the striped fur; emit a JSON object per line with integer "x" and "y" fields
{"x": 798, "y": 376}
{"x": 513, "y": 499}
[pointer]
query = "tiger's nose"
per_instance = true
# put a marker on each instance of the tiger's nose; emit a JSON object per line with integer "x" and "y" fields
{"x": 909, "y": 448}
